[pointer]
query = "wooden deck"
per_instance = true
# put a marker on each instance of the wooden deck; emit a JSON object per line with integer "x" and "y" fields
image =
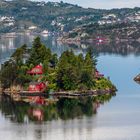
{"x": 62, "y": 93}
{"x": 83, "y": 94}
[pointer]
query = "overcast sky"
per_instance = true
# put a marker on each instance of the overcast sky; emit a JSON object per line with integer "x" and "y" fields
{"x": 106, "y": 4}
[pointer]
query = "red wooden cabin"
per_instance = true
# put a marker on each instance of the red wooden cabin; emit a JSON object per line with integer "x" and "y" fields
{"x": 37, "y": 87}
{"x": 37, "y": 70}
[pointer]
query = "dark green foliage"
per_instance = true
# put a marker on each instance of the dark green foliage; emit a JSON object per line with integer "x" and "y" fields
{"x": 66, "y": 78}
{"x": 74, "y": 70}
{"x": 87, "y": 79}
{"x": 19, "y": 54}
{"x": 73, "y": 35}
{"x": 104, "y": 83}
{"x": 70, "y": 108}
{"x": 8, "y": 73}
{"x": 43, "y": 15}
{"x": 63, "y": 109}
{"x": 54, "y": 60}
{"x": 66, "y": 73}
{"x": 92, "y": 56}
{"x": 39, "y": 53}
{"x": 69, "y": 72}
{"x": 22, "y": 76}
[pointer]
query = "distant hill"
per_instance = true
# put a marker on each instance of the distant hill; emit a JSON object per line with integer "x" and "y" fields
{"x": 120, "y": 32}
{"x": 18, "y": 15}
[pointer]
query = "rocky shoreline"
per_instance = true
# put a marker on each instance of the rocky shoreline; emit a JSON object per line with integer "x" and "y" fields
{"x": 27, "y": 98}
{"x": 137, "y": 78}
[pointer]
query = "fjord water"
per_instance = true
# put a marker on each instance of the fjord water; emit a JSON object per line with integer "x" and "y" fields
{"x": 118, "y": 119}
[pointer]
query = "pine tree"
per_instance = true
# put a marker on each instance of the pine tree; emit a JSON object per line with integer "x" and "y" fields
{"x": 39, "y": 53}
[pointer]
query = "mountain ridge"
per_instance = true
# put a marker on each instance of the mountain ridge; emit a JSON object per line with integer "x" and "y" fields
{"x": 19, "y": 15}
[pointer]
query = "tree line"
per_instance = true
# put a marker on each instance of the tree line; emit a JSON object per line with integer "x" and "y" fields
{"x": 68, "y": 72}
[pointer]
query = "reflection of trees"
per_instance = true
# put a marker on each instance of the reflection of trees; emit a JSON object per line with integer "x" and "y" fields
{"x": 64, "y": 109}
{"x": 8, "y": 45}
{"x": 16, "y": 112}
{"x": 71, "y": 108}
{"x": 103, "y": 98}
{"x": 122, "y": 48}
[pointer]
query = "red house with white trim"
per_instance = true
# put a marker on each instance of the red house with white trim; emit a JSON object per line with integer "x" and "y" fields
{"x": 37, "y": 70}
{"x": 37, "y": 87}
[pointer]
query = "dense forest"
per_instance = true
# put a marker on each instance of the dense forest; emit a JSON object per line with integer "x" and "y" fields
{"x": 68, "y": 72}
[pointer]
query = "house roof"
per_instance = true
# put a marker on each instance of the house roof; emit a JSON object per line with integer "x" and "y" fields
{"x": 36, "y": 70}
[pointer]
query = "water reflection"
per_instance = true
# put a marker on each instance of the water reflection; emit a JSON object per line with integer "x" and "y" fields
{"x": 122, "y": 48}
{"x": 64, "y": 109}
{"x": 8, "y": 45}
{"x": 114, "y": 120}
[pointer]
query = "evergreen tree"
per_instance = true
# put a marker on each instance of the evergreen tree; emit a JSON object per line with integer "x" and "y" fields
{"x": 90, "y": 51}
{"x": 34, "y": 52}
{"x": 39, "y": 53}
{"x": 54, "y": 60}
{"x": 8, "y": 73}
{"x": 18, "y": 54}
{"x": 66, "y": 73}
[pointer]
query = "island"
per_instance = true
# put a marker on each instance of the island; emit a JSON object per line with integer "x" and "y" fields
{"x": 34, "y": 74}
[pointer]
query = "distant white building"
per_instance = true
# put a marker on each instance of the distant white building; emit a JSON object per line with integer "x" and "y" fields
{"x": 23, "y": 8}
{"x": 32, "y": 27}
{"x": 101, "y": 22}
{"x": 45, "y": 32}
{"x": 9, "y": 24}
{"x": 134, "y": 18}
{"x": 56, "y": 4}
{"x": 84, "y": 35}
{"x": 53, "y": 23}
{"x": 41, "y": 3}
{"x": 110, "y": 16}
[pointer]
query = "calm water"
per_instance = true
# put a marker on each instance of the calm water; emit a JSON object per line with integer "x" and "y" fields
{"x": 118, "y": 119}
